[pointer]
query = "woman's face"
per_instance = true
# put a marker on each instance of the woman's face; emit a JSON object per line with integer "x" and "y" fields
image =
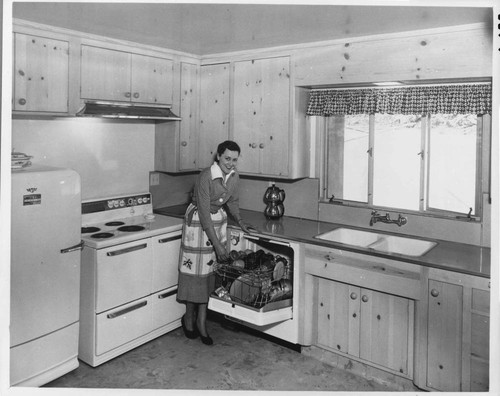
{"x": 228, "y": 160}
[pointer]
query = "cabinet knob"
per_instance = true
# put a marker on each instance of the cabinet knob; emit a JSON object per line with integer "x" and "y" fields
{"x": 254, "y": 145}
{"x": 364, "y": 298}
{"x": 184, "y": 143}
{"x": 21, "y": 72}
{"x": 354, "y": 296}
{"x": 22, "y": 101}
{"x": 127, "y": 94}
{"x": 261, "y": 145}
{"x": 434, "y": 293}
{"x": 136, "y": 95}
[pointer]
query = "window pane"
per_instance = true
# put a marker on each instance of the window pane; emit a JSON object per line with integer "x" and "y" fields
{"x": 356, "y": 145}
{"x": 452, "y": 162}
{"x": 396, "y": 181}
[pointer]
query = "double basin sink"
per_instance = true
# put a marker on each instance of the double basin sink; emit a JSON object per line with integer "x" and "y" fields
{"x": 378, "y": 242}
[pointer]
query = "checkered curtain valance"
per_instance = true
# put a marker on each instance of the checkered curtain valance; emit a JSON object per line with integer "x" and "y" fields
{"x": 436, "y": 99}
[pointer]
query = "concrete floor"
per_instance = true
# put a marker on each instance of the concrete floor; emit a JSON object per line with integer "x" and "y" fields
{"x": 240, "y": 359}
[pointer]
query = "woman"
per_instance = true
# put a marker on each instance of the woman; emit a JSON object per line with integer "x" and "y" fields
{"x": 204, "y": 237}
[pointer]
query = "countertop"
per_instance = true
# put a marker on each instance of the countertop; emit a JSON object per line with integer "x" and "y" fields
{"x": 451, "y": 256}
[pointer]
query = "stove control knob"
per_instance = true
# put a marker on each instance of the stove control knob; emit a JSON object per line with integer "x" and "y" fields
{"x": 122, "y": 203}
{"x": 110, "y": 204}
{"x": 145, "y": 199}
{"x": 139, "y": 201}
{"x": 116, "y": 203}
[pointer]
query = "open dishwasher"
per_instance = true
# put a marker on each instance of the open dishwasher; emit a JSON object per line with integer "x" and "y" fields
{"x": 261, "y": 285}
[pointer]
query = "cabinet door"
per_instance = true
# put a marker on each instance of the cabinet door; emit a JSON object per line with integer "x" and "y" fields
{"x": 444, "y": 347}
{"x": 214, "y": 111}
{"x": 338, "y": 316}
{"x": 479, "y": 340}
{"x": 165, "y": 260}
{"x": 41, "y": 74}
{"x": 189, "y": 114}
{"x": 386, "y": 329}
{"x": 246, "y": 112}
{"x": 152, "y": 79}
{"x": 261, "y": 106}
{"x": 105, "y": 74}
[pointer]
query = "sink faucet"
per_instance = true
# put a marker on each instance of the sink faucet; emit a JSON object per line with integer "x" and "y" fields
{"x": 387, "y": 219}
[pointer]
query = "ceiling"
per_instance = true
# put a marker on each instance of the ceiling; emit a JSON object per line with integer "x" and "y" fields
{"x": 206, "y": 28}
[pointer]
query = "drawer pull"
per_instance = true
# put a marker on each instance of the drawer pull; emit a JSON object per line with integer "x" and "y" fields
{"x": 170, "y": 239}
{"x": 364, "y": 298}
{"x": 354, "y": 296}
{"x": 127, "y": 310}
{"x": 167, "y": 294}
{"x": 127, "y": 250}
{"x": 434, "y": 293}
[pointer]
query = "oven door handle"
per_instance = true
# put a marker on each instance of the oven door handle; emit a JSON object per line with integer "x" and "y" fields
{"x": 170, "y": 239}
{"x": 167, "y": 294}
{"x": 73, "y": 248}
{"x": 127, "y": 250}
{"x": 126, "y": 310}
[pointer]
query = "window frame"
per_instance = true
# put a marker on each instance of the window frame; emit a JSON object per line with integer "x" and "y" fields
{"x": 483, "y": 158}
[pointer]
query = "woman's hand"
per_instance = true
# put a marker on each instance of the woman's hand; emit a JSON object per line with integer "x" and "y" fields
{"x": 221, "y": 252}
{"x": 247, "y": 228}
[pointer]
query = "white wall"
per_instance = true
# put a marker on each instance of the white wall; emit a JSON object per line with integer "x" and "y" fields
{"x": 113, "y": 157}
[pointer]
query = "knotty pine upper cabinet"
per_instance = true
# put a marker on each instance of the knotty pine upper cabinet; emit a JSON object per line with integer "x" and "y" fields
{"x": 108, "y": 74}
{"x": 188, "y": 140}
{"x": 41, "y": 74}
{"x": 261, "y": 120}
{"x": 214, "y": 111}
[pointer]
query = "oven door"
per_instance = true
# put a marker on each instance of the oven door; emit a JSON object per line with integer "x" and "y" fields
{"x": 123, "y": 273}
{"x": 241, "y": 302}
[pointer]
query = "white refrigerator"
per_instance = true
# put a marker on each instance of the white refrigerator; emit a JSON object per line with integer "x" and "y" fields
{"x": 45, "y": 274}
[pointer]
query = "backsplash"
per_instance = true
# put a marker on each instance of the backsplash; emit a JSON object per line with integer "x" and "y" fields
{"x": 301, "y": 195}
{"x": 112, "y": 156}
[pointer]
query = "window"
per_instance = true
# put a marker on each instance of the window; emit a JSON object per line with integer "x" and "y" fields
{"x": 408, "y": 162}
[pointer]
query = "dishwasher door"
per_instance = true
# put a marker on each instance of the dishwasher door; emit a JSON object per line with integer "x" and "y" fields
{"x": 260, "y": 293}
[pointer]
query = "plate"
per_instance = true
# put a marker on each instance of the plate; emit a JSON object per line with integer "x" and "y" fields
{"x": 279, "y": 271}
{"x": 243, "y": 290}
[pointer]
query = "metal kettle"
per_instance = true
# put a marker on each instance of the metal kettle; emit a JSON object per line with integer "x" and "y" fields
{"x": 274, "y": 197}
{"x": 274, "y": 194}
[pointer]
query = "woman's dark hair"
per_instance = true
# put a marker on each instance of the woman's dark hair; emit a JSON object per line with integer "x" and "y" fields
{"x": 229, "y": 145}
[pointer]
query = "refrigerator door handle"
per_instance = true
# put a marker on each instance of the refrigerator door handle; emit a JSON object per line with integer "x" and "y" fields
{"x": 73, "y": 248}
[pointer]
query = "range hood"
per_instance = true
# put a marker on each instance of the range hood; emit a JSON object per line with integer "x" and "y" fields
{"x": 107, "y": 109}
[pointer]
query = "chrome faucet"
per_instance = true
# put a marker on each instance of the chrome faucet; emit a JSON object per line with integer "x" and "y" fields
{"x": 376, "y": 217}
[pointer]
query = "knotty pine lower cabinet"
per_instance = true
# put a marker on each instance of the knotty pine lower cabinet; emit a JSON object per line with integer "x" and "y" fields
{"x": 457, "y": 333}
{"x": 364, "y": 324}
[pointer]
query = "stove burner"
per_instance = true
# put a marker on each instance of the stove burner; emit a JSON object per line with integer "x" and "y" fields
{"x": 115, "y": 223}
{"x": 102, "y": 235}
{"x": 86, "y": 230}
{"x": 131, "y": 228}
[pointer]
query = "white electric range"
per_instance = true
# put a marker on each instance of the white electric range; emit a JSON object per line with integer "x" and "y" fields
{"x": 128, "y": 276}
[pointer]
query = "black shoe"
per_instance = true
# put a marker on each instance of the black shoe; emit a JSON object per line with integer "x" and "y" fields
{"x": 192, "y": 334}
{"x": 206, "y": 340}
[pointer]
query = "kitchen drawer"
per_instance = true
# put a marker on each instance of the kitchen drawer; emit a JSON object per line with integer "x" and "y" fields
{"x": 376, "y": 273}
{"x": 123, "y": 273}
{"x": 123, "y": 324}
{"x": 270, "y": 313}
{"x": 166, "y": 309}
{"x": 165, "y": 260}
